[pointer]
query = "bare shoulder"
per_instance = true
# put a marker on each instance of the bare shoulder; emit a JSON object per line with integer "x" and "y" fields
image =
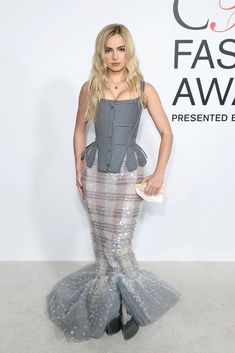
{"x": 84, "y": 87}
{"x": 83, "y": 92}
{"x": 156, "y": 110}
{"x": 150, "y": 91}
{"x": 85, "y": 84}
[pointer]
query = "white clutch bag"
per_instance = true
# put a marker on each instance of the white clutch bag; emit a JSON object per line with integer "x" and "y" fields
{"x": 139, "y": 187}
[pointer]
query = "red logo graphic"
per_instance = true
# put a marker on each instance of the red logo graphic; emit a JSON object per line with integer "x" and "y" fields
{"x": 212, "y": 25}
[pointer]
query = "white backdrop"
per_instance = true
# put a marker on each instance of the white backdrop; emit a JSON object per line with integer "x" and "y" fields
{"x": 46, "y": 52}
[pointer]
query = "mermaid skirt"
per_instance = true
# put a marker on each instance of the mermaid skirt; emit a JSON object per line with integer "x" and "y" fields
{"x": 85, "y": 301}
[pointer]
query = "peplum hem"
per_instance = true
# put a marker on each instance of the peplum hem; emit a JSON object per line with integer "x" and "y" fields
{"x": 134, "y": 156}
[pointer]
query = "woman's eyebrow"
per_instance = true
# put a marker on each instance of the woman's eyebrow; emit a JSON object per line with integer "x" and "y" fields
{"x": 121, "y": 46}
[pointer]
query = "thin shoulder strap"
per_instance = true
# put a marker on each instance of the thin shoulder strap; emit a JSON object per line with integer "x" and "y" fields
{"x": 142, "y": 85}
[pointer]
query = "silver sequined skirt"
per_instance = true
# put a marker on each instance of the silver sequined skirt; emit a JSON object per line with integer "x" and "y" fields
{"x": 85, "y": 301}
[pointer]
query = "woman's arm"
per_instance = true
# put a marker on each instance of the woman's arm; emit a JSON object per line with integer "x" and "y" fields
{"x": 157, "y": 113}
{"x": 79, "y": 137}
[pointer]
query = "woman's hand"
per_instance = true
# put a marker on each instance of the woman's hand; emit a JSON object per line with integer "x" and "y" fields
{"x": 154, "y": 183}
{"x": 79, "y": 179}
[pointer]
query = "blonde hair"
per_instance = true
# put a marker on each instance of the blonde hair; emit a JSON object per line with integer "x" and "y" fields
{"x": 98, "y": 75}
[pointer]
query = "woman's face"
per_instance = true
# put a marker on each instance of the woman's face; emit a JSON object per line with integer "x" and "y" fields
{"x": 115, "y": 53}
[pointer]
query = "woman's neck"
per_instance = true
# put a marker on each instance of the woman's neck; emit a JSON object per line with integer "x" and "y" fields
{"x": 115, "y": 78}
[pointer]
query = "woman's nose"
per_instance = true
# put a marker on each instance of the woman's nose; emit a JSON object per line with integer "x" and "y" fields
{"x": 115, "y": 54}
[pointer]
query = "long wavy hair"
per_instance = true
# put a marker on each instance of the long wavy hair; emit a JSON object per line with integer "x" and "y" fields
{"x": 98, "y": 76}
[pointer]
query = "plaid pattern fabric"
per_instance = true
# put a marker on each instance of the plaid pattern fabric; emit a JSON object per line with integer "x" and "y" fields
{"x": 113, "y": 206}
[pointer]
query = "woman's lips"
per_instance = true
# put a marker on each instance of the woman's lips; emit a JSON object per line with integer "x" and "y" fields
{"x": 116, "y": 64}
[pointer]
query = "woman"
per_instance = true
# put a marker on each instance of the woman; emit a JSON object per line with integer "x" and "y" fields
{"x": 113, "y": 293}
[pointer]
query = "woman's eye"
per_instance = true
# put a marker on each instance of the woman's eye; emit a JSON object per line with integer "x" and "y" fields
{"x": 108, "y": 50}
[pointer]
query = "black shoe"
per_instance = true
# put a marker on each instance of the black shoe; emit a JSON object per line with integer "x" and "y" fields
{"x": 130, "y": 328}
{"x": 114, "y": 325}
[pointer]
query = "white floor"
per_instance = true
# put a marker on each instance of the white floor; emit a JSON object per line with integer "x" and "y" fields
{"x": 202, "y": 322}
